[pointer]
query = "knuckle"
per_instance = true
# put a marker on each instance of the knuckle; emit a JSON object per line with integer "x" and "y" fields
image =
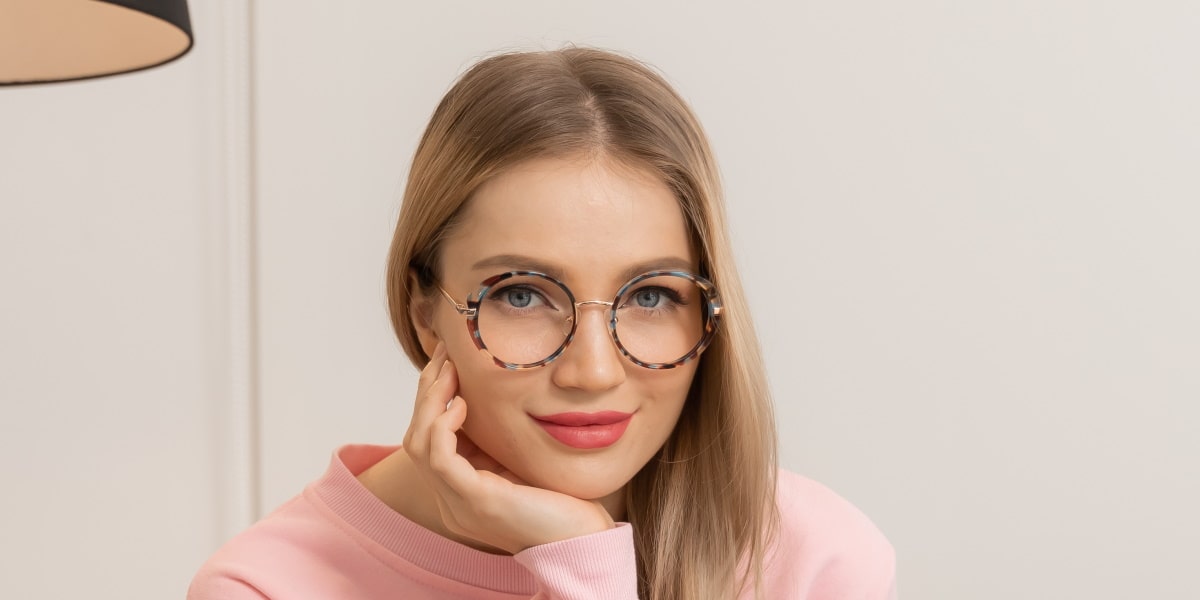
{"x": 432, "y": 391}
{"x": 429, "y": 374}
{"x": 487, "y": 510}
{"x": 425, "y": 380}
{"x": 414, "y": 448}
{"x": 441, "y": 466}
{"x": 455, "y": 525}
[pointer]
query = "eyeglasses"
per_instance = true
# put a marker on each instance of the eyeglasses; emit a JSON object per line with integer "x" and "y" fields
{"x": 526, "y": 319}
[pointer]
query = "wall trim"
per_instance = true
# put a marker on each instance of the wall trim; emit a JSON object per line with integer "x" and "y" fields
{"x": 233, "y": 29}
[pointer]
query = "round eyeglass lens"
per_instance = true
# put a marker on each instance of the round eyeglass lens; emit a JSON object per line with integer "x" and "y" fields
{"x": 524, "y": 319}
{"x": 661, "y": 319}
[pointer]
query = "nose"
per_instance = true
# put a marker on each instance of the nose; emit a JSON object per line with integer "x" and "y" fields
{"x": 591, "y": 362}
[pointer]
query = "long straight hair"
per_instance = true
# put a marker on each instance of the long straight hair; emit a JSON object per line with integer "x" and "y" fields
{"x": 703, "y": 509}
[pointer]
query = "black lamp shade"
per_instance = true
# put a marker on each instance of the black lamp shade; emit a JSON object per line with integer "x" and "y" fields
{"x": 43, "y": 41}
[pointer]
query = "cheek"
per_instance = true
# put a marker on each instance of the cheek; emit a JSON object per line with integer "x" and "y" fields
{"x": 451, "y": 328}
{"x": 487, "y": 387}
{"x": 672, "y": 395}
{"x": 664, "y": 394}
{"x": 496, "y": 419}
{"x": 476, "y": 370}
{"x": 675, "y": 383}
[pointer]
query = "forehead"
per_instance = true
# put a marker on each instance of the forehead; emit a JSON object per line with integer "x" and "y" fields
{"x": 591, "y": 219}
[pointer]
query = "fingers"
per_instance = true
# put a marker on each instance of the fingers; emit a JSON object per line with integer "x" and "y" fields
{"x": 437, "y": 384}
{"x": 429, "y": 373}
{"x": 444, "y": 460}
{"x": 464, "y": 468}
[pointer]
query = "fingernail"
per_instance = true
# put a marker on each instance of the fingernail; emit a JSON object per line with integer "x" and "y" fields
{"x": 449, "y": 404}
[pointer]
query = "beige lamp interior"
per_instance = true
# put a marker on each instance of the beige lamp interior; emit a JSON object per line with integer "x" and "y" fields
{"x": 61, "y": 40}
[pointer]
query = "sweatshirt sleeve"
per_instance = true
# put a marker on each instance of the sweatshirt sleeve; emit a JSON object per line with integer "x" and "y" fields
{"x": 600, "y": 565}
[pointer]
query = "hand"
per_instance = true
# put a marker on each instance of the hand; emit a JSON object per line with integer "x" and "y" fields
{"x": 477, "y": 496}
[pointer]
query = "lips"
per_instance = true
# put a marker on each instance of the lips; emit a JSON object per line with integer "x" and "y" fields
{"x": 585, "y": 430}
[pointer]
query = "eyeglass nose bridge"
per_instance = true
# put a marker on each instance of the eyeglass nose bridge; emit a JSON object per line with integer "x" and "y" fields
{"x": 571, "y": 319}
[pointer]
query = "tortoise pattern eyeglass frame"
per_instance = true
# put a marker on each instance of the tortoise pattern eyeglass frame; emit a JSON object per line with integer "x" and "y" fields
{"x": 713, "y": 310}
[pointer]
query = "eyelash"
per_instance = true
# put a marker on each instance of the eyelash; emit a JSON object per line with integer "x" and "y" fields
{"x": 498, "y": 295}
{"x": 673, "y": 296}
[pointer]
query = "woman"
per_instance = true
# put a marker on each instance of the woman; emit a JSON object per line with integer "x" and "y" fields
{"x": 592, "y": 419}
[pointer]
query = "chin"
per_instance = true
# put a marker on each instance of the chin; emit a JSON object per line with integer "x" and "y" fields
{"x": 589, "y": 490}
{"x": 584, "y": 481}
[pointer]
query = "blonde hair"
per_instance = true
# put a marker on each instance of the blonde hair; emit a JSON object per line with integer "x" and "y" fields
{"x": 703, "y": 510}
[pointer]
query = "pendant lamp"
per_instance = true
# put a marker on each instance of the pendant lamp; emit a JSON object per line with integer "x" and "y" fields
{"x": 43, "y": 41}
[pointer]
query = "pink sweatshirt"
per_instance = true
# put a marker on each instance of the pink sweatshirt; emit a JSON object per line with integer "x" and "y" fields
{"x": 338, "y": 541}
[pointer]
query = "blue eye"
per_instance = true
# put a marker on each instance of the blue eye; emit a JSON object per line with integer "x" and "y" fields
{"x": 519, "y": 298}
{"x": 648, "y": 298}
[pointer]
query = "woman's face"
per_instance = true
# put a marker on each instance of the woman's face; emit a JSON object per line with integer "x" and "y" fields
{"x": 594, "y": 223}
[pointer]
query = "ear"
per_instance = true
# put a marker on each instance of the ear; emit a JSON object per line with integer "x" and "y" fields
{"x": 420, "y": 312}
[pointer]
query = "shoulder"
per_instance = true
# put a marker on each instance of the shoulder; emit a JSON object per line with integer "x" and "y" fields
{"x": 255, "y": 561}
{"x": 811, "y": 510}
{"x": 827, "y": 547}
{"x": 292, "y": 546}
{"x": 333, "y": 540}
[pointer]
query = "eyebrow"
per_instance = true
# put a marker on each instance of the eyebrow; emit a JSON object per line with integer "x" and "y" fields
{"x": 528, "y": 263}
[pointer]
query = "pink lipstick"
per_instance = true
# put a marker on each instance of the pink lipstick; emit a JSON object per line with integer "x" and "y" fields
{"x": 585, "y": 430}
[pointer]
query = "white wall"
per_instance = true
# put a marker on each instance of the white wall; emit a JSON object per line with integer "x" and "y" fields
{"x": 967, "y": 231}
{"x": 124, "y": 337}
